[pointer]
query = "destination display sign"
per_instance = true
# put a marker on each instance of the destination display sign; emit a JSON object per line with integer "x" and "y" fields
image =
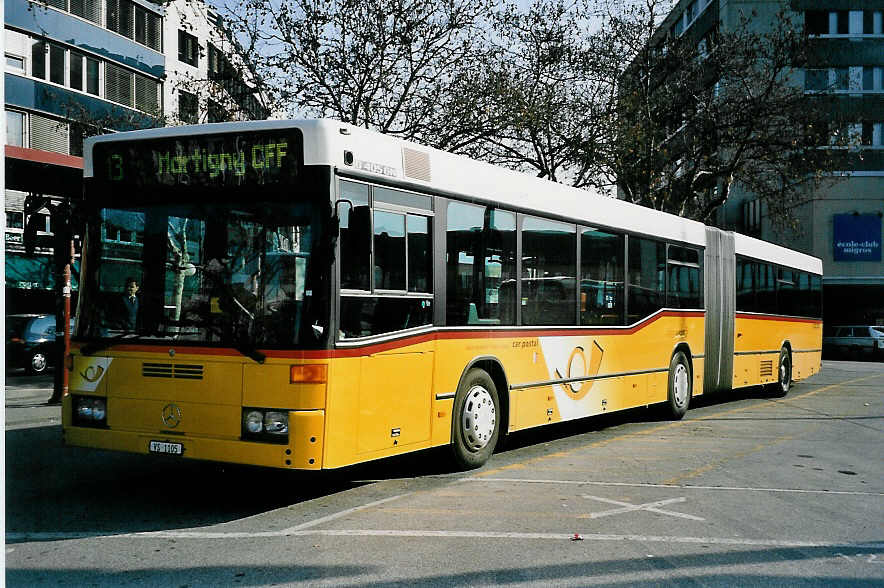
{"x": 258, "y": 158}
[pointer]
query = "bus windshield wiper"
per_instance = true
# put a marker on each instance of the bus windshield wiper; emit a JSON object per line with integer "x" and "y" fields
{"x": 246, "y": 348}
{"x": 102, "y": 344}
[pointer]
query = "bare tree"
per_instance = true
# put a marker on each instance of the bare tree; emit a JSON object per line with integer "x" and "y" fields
{"x": 384, "y": 64}
{"x": 696, "y": 119}
{"x": 536, "y": 92}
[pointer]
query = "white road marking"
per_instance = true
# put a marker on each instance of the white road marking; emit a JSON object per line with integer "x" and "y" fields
{"x": 343, "y": 513}
{"x": 649, "y": 506}
{"x": 398, "y": 533}
{"x": 296, "y": 530}
{"x": 675, "y": 486}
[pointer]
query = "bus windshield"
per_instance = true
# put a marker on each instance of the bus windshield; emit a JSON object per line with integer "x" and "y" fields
{"x": 227, "y": 274}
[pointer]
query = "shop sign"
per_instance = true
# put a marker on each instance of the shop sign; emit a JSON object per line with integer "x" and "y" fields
{"x": 857, "y": 237}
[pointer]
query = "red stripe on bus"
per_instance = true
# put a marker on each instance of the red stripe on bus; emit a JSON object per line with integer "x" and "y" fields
{"x": 771, "y": 317}
{"x": 406, "y": 341}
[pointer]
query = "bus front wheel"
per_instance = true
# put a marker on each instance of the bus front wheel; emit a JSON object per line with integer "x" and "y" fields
{"x": 476, "y": 422}
{"x": 680, "y": 386}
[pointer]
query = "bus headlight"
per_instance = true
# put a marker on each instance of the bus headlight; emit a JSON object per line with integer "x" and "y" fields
{"x": 276, "y": 423}
{"x": 253, "y": 422}
{"x": 265, "y": 424}
{"x": 89, "y": 411}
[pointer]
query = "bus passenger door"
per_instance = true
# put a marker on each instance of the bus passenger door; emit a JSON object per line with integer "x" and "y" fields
{"x": 394, "y": 400}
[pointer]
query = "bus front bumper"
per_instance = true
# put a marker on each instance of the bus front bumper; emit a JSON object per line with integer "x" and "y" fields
{"x": 302, "y": 452}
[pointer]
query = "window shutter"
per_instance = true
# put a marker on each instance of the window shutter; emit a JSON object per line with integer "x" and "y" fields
{"x": 146, "y": 94}
{"x": 118, "y": 85}
{"x": 48, "y": 134}
{"x": 88, "y": 9}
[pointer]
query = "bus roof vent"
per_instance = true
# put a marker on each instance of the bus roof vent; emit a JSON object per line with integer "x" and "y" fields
{"x": 416, "y": 164}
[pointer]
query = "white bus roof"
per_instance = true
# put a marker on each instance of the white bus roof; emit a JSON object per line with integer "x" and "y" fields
{"x": 766, "y": 251}
{"x": 394, "y": 160}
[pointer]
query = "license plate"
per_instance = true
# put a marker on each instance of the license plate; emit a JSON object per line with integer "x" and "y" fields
{"x": 166, "y": 447}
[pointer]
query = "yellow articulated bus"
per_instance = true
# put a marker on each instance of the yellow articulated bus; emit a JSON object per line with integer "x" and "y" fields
{"x": 308, "y": 295}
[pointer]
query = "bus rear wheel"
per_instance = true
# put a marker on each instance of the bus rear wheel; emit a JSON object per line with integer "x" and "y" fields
{"x": 476, "y": 422}
{"x": 680, "y": 386}
{"x": 784, "y": 375}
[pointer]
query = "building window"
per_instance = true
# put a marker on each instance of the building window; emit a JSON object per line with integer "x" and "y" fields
{"x": 92, "y": 73}
{"x": 56, "y": 64}
{"x": 76, "y": 139}
{"x": 871, "y": 134}
{"x": 118, "y": 84}
{"x": 872, "y": 22}
{"x": 147, "y": 94}
{"x": 188, "y": 49}
{"x": 752, "y": 217}
{"x": 816, "y": 22}
{"x": 76, "y": 71}
{"x": 38, "y": 59}
{"x": 215, "y": 112}
{"x": 872, "y": 78}
{"x": 15, "y": 219}
{"x": 88, "y": 9}
{"x": 120, "y": 17}
{"x": 148, "y": 29}
{"x": 215, "y": 62}
{"x": 188, "y": 108}
{"x": 84, "y": 73}
{"x": 15, "y": 62}
{"x": 15, "y": 128}
{"x": 839, "y": 22}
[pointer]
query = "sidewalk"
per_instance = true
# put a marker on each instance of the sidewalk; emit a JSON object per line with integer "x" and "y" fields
{"x": 25, "y": 401}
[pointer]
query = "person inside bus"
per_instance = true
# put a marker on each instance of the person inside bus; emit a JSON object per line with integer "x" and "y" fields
{"x": 129, "y": 305}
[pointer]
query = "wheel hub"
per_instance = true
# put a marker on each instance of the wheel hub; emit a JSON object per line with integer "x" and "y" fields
{"x": 681, "y": 383}
{"x": 478, "y": 419}
{"x": 38, "y": 362}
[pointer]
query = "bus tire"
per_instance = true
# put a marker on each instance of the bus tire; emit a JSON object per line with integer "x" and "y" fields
{"x": 475, "y": 420}
{"x": 784, "y": 375}
{"x": 680, "y": 386}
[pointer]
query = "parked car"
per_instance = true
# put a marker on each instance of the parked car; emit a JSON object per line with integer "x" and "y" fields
{"x": 30, "y": 342}
{"x": 856, "y": 341}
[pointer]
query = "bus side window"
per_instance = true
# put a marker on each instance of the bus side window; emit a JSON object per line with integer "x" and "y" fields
{"x": 601, "y": 277}
{"x": 765, "y": 289}
{"x": 745, "y": 285}
{"x": 549, "y": 263}
{"x": 480, "y": 260}
{"x": 684, "y": 278}
{"x": 355, "y": 227}
{"x": 647, "y": 263}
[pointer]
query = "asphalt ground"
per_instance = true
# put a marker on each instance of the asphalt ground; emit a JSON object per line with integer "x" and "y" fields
{"x": 746, "y": 490}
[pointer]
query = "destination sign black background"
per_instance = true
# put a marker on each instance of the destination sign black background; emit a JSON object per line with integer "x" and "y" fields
{"x": 228, "y": 160}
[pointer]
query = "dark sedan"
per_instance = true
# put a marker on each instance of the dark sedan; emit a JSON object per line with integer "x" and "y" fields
{"x": 30, "y": 342}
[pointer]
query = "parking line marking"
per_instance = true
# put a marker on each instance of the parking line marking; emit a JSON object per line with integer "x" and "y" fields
{"x": 649, "y": 506}
{"x": 399, "y": 533}
{"x": 644, "y": 432}
{"x": 676, "y": 486}
{"x": 342, "y": 513}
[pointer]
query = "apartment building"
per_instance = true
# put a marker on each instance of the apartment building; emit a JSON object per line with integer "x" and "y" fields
{"x": 840, "y": 223}
{"x": 115, "y": 64}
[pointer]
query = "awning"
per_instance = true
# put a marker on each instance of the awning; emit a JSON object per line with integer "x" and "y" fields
{"x": 34, "y": 272}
